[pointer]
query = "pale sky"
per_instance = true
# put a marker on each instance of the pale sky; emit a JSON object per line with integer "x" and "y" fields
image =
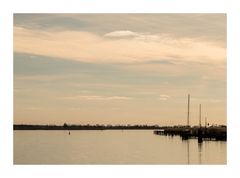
{"x": 119, "y": 68}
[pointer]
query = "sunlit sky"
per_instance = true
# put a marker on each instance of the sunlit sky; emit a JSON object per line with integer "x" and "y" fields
{"x": 119, "y": 68}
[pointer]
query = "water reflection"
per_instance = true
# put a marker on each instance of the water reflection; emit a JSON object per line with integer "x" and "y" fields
{"x": 188, "y": 156}
{"x": 197, "y": 157}
{"x": 113, "y": 147}
{"x": 200, "y": 152}
{"x": 188, "y": 150}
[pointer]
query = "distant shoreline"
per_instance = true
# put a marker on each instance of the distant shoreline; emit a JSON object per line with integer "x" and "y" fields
{"x": 93, "y": 127}
{"x": 85, "y": 127}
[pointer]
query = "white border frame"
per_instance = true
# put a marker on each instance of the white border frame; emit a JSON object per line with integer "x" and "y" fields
{"x": 7, "y": 169}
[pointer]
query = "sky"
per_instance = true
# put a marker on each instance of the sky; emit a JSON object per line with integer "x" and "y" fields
{"x": 119, "y": 68}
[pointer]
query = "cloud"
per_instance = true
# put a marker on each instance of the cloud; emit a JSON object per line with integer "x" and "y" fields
{"x": 207, "y": 25}
{"x": 41, "y": 78}
{"x": 123, "y": 33}
{"x": 134, "y": 35}
{"x": 96, "y": 97}
{"x": 19, "y": 90}
{"x": 164, "y": 97}
{"x": 93, "y": 48}
{"x": 216, "y": 100}
{"x": 32, "y": 108}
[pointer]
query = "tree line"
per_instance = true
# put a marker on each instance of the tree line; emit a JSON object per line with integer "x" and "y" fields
{"x": 66, "y": 126}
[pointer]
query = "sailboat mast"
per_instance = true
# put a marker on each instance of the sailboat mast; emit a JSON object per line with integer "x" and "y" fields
{"x": 200, "y": 117}
{"x": 188, "y": 110}
{"x": 205, "y": 121}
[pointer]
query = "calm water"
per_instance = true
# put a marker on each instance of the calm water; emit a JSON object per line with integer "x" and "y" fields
{"x": 113, "y": 147}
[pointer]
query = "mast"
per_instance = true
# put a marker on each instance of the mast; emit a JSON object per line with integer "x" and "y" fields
{"x": 205, "y": 121}
{"x": 188, "y": 110}
{"x": 200, "y": 115}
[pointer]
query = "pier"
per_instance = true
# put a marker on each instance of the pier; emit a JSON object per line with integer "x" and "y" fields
{"x": 217, "y": 133}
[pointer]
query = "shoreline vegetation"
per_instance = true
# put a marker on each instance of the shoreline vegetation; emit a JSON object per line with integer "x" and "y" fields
{"x": 82, "y": 127}
{"x": 108, "y": 127}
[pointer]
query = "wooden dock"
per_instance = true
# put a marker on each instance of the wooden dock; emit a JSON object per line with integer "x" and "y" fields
{"x": 217, "y": 133}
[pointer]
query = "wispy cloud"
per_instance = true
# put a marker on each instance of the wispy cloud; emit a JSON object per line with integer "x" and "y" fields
{"x": 209, "y": 26}
{"x": 122, "y": 33}
{"x": 216, "y": 101}
{"x": 17, "y": 90}
{"x": 146, "y": 37}
{"x": 96, "y": 97}
{"x": 32, "y": 108}
{"x": 164, "y": 97}
{"x": 41, "y": 78}
{"x": 90, "y": 47}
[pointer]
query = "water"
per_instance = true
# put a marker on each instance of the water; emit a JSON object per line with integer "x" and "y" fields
{"x": 113, "y": 147}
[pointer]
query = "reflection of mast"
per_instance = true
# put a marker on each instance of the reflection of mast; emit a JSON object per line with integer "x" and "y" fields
{"x": 200, "y": 136}
{"x": 199, "y": 153}
{"x": 188, "y": 156}
{"x": 188, "y": 109}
